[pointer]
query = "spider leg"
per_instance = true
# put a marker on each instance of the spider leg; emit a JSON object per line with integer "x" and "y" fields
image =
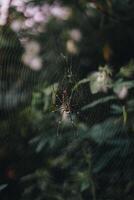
{"x": 58, "y": 127}
{"x": 59, "y": 123}
{"x": 73, "y": 124}
{"x": 56, "y": 110}
{"x": 56, "y": 94}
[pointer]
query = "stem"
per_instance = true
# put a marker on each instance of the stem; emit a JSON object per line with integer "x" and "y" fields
{"x": 93, "y": 190}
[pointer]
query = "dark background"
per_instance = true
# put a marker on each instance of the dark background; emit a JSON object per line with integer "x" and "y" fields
{"x": 48, "y": 48}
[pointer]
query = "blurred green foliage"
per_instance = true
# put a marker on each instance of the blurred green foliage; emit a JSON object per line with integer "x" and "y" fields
{"x": 66, "y": 101}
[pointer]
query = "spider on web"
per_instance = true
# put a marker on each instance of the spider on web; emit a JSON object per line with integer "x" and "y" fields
{"x": 63, "y": 98}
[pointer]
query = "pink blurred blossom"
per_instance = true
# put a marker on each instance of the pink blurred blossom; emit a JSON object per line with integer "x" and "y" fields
{"x": 60, "y": 12}
{"x": 38, "y": 17}
{"x": 4, "y": 6}
{"x": 31, "y": 10}
{"x": 20, "y": 5}
{"x": 17, "y": 25}
{"x": 17, "y": 3}
{"x": 31, "y": 55}
{"x": 29, "y": 23}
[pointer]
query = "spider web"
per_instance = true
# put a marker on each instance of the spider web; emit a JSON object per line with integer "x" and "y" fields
{"x": 69, "y": 110}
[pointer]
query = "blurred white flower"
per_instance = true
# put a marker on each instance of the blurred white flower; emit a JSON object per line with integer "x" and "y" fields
{"x": 32, "y": 47}
{"x": 75, "y": 34}
{"x": 31, "y": 55}
{"x": 71, "y": 47}
{"x": 60, "y": 12}
{"x": 36, "y": 63}
{"x": 100, "y": 81}
{"x": 122, "y": 92}
{"x": 17, "y": 25}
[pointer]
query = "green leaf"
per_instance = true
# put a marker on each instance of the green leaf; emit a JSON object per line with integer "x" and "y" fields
{"x": 104, "y": 159}
{"x": 106, "y": 130}
{"x": 84, "y": 185}
{"x": 99, "y": 101}
{"x": 83, "y": 81}
{"x": 116, "y": 109}
{"x": 3, "y": 186}
{"x": 118, "y": 85}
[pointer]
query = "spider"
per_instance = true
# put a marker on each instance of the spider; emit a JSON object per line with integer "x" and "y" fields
{"x": 63, "y": 100}
{"x": 66, "y": 111}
